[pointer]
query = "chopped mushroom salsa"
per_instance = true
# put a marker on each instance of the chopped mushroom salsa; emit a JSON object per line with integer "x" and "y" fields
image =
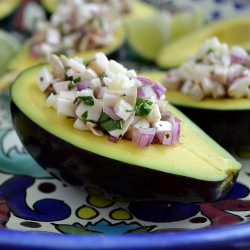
{"x": 215, "y": 71}
{"x": 76, "y": 26}
{"x": 104, "y": 97}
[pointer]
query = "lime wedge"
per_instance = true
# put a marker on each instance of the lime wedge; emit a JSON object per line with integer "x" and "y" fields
{"x": 147, "y": 36}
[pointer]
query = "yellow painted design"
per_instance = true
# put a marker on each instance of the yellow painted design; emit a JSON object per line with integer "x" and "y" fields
{"x": 120, "y": 214}
{"x": 86, "y": 213}
{"x": 99, "y": 201}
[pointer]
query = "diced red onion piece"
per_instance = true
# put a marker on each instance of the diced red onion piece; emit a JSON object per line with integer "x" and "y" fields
{"x": 140, "y": 92}
{"x": 237, "y": 59}
{"x": 143, "y": 137}
{"x": 81, "y": 86}
{"x": 176, "y": 130}
{"x": 158, "y": 89}
{"x": 144, "y": 80}
{"x": 147, "y": 90}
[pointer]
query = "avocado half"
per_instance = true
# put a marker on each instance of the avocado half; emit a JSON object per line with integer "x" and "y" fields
{"x": 197, "y": 169}
{"x": 139, "y": 9}
{"x": 8, "y": 7}
{"x": 226, "y": 120}
{"x": 24, "y": 58}
{"x": 233, "y": 32}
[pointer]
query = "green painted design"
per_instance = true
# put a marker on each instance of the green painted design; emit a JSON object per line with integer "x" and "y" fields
{"x": 14, "y": 159}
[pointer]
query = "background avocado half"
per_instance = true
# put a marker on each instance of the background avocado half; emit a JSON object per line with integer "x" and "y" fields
{"x": 8, "y": 7}
{"x": 226, "y": 120}
{"x": 197, "y": 169}
{"x": 139, "y": 9}
{"x": 24, "y": 58}
{"x": 233, "y": 32}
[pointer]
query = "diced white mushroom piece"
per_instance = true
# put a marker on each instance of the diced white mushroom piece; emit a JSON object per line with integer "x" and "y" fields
{"x": 109, "y": 101}
{"x": 240, "y": 88}
{"x": 44, "y": 79}
{"x": 155, "y": 114}
{"x": 117, "y": 81}
{"x": 53, "y": 36}
{"x": 123, "y": 109}
{"x": 143, "y": 123}
{"x": 218, "y": 91}
{"x": 186, "y": 87}
{"x": 135, "y": 82}
{"x": 164, "y": 132}
{"x": 131, "y": 73}
{"x": 238, "y": 55}
{"x": 220, "y": 74}
{"x": 163, "y": 106}
{"x": 65, "y": 107}
{"x": 172, "y": 80}
{"x": 99, "y": 92}
{"x": 196, "y": 92}
{"x": 69, "y": 95}
{"x": 100, "y": 64}
{"x": 126, "y": 124}
{"x": 130, "y": 95}
{"x": 76, "y": 65}
{"x": 61, "y": 86}
{"x": 80, "y": 125}
{"x": 115, "y": 68}
{"x": 93, "y": 112}
{"x": 88, "y": 74}
{"x": 58, "y": 69}
{"x": 207, "y": 86}
{"x": 51, "y": 101}
{"x": 85, "y": 92}
{"x": 95, "y": 83}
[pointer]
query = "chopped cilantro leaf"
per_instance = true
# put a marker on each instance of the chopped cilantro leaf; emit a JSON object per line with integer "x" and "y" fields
{"x": 84, "y": 116}
{"x": 111, "y": 125}
{"x": 87, "y": 100}
{"x": 143, "y": 107}
{"x": 104, "y": 117}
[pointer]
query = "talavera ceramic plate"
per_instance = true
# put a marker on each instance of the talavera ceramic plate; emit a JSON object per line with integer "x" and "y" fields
{"x": 39, "y": 211}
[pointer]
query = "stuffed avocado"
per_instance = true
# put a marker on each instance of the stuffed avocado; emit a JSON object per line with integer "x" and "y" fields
{"x": 121, "y": 167}
{"x": 75, "y": 29}
{"x": 233, "y": 32}
{"x": 8, "y": 7}
{"x": 213, "y": 89}
{"x": 129, "y": 9}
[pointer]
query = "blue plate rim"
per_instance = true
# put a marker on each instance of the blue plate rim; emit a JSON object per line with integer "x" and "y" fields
{"x": 237, "y": 235}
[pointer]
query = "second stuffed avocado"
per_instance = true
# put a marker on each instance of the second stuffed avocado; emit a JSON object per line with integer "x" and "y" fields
{"x": 196, "y": 169}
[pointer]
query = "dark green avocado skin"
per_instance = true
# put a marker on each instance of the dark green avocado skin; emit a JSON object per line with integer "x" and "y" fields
{"x": 77, "y": 166}
{"x": 231, "y": 129}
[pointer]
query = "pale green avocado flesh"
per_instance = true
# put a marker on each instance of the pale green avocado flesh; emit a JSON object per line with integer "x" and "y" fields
{"x": 196, "y": 156}
{"x": 233, "y": 32}
{"x": 8, "y": 7}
